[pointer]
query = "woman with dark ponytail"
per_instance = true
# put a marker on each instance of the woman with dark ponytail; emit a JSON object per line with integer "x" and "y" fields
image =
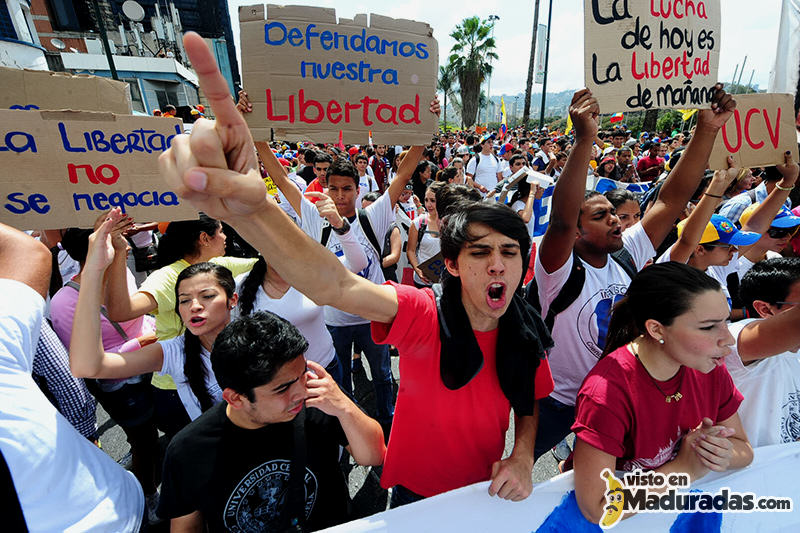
{"x": 205, "y": 295}
{"x": 660, "y": 398}
{"x": 183, "y": 243}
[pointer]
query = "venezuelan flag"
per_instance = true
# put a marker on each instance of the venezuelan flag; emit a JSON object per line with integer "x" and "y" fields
{"x": 616, "y": 117}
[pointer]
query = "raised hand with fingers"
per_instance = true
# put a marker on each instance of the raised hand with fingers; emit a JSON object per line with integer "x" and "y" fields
{"x": 216, "y": 167}
{"x": 323, "y": 393}
{"x": 101, "y": 250}
{"x": 327, "y": 208}
{"x": 584, "y": 111}
{"x": 722, "y": 107}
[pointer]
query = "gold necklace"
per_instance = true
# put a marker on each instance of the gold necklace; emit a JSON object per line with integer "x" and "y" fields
{"x": 669, "y": 398}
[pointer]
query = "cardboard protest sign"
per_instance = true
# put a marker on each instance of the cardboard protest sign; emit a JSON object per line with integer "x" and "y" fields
{"x": 41, "y": 89}
{"x": 309, "y": 77}
{"x": 760, "y": 131}
{"x": 433, "y": 268}
{"x": 63, "y": 168}
{"x": 652, "y": 54}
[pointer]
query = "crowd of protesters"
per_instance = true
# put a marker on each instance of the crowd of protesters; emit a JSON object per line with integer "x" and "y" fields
{"x": 661, "y": 328}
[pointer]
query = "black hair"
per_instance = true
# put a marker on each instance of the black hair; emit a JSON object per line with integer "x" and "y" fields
{"x": 360, "y": 157}
{"x": 769, "y": 281}
{"x": 322, "y": 157}
{"x": 371, "y": 196}
{"x": 588, "y": 195}
{"x": 421, "y": 167}
{"x": 342, "y": 166}
{"x": 515, "y": 158}
{"x": 193, "y": 367}
{"x": 523, "y": 191}
{"x": 455, "y": 230}
{"x": 447, "y": 174}
{"x": 617, "y": 197}
{"x": 249, "y": 289}
{"x": 771, "y": 174}
{"x": 470, "y": 140}
{"x": 660, "y": 292}
{"x": 75, "y": 242}
{"x": 250, "y": 351}
{"x": 453, "y": 193}
{"x": 310, "y": 155}
{"x": 180, "y": 239}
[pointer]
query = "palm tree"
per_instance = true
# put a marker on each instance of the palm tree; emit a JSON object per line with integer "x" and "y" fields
{"x": 469, "y": 59}
{"x": 446, "y": 80}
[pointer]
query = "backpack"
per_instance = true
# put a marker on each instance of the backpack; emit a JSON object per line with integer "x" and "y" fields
{"x": 423, "y": 227}
{"x": 478, "y": 160}
{"x": 366, "y": 227}
{"x": 574, "y": 285}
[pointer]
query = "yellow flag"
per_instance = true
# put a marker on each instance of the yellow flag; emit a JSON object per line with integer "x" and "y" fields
{"x": 686, "y": 114}
{"x": 569, "y": 125}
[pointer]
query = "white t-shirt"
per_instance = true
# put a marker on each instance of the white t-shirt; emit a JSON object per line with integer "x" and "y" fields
{"x": 304, "y": 314}
{"x": 770, "y": 412}
{"x": 745, "y": 264}
{"x": 381, "y": 216}
{"x": 366, "y": 183}
{"x": 174, "y": 358}
{"x": 63, "y": 481}
{"x": 579, "y": 332}
{"x": 518, "y": 206}
{"x": 428, "y": 247}
{"x": 486, "y": 172}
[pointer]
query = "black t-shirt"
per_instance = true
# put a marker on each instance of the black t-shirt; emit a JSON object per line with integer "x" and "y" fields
{"x": 239, "y": 478}
{"x": 308, "y": 174}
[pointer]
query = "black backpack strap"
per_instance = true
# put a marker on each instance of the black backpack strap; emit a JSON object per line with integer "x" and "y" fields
{"x": 569, "y": 292}
{"x": 369, "y": 233}
{"x": 295, "y": 510}
{"x": 624, "y": 259}
{"x": 326, "y": 234}
{"x": 752, "y": 194}
{"x": 423, "y": 227}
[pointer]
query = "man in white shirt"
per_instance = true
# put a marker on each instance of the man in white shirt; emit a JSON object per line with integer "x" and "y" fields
{"x": 61, "y": 480}
{"x": 483, "y": 170}
{"x": 584, "y": 227}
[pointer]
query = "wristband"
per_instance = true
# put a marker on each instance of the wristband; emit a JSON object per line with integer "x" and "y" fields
{"x": 783, "y": 188}
{"x": 344, "y": 229}
{"x": 712, "y": 195}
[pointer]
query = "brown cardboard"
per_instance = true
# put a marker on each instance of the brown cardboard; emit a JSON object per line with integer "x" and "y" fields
{"x": 752, "y": 140}
{"x": 23, "y": 89}
{"x": 277, "y": 69}
{"x": 615, "y": 30}
{"x": 45, "y": 177}
{"x": 433, "y": 268}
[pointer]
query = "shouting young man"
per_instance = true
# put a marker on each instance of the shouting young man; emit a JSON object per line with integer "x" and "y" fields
{"x": 467, "y": 356}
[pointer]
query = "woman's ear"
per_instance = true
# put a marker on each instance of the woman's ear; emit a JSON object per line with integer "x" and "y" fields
{"x": 654, "y": 329}
{"x": 233, "y": 300}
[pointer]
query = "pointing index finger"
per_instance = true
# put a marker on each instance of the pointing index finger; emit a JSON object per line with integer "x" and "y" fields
{"x": 211, "y": 81}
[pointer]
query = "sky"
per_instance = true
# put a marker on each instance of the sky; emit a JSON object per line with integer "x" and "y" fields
{"x": 746, "y": 31}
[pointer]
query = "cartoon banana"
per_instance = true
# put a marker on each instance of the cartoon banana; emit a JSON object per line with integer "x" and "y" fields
{"x": 615, "y": 498}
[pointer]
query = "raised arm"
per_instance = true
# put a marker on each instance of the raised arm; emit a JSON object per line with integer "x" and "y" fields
{"x": 216, "y": 170}
{"x": 24, "y": 259}
{"x": 87, "y": 357}
{"x": 279, "y": 176}
{"x": 764, "y": 214}
{"x": 701, "y": 215}
{"x": 685, "y": 177}
{"x": 570, "y": 188}
{"x": 772, "y": 336}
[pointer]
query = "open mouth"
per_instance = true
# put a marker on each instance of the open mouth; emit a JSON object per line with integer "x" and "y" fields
{"x": 495, "y": 295}
{"x": 197, "y": 321}
{"x": 617, "y": 232}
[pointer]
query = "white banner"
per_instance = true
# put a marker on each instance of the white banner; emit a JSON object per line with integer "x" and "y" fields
{"x": 784, "y": 74}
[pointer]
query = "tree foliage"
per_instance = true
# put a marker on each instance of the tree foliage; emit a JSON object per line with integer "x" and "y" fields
{"x": 470, "y": 61}
{"x": 446, "y": 84}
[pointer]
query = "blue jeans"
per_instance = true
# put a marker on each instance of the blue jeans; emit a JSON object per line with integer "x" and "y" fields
{"x": 379, "y": 365}
{"x": 403, "y": 496}
{"x": 555, "y": 423}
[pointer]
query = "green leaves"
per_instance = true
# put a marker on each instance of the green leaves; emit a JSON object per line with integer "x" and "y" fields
{"x": 470, "y": 62}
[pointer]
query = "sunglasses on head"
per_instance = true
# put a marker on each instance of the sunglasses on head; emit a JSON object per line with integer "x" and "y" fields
{"x": 780, "y": 233}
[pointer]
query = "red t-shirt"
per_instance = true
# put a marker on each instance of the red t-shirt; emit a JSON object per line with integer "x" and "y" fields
{"x": 442, "y": 439}
{"x": 644, "y": 166}
{"x": 314, "y": 186}
{"x": 620, "y": 411}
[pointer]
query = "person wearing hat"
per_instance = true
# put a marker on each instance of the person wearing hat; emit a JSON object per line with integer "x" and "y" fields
{"x": 606, "y": 167}
{"x": 712, "y": 243}
{"x": 781, "y": 230}
{"x": 506, "y": 151}
{"x": 734, "y": 207}
{"x": 484, "y": 170}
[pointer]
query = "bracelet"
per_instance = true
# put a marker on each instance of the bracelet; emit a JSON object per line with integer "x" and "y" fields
{"x": 344, "y": 229}
{"x": 783, "y": 188}
{"x": 713, "y": 195}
